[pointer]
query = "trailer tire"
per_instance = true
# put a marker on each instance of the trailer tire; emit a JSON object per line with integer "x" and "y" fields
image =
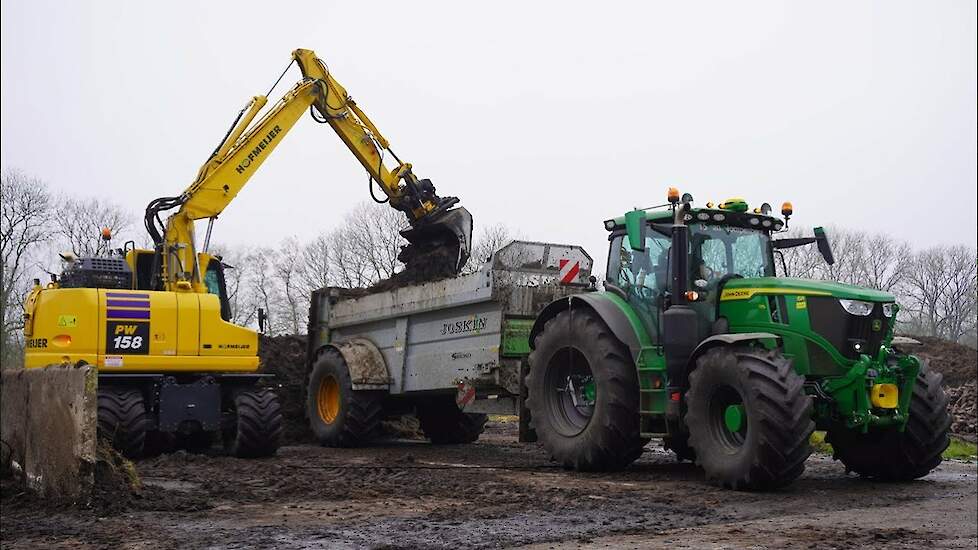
{"x": 894, "y": 456}
{"x": 576, "y": 345}
{"x": 679, "y": 445}
{"x": 122, "y": 419}
{"x": 443, "y": 423}
{"x": 256, "y": 429}
{"x": 339, "y": 415}
{"x": 749, "y": 419}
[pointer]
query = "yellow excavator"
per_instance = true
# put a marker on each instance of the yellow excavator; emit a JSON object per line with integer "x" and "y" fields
{"x": 172, "y": 368}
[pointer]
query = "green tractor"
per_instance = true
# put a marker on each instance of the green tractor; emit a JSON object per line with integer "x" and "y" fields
{"x": 695, "y": 340}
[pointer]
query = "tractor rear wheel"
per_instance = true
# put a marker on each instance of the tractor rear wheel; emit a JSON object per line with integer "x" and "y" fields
{"x": 256, "y": 429}
{"x": 122, "y": 419}
{"x": 749, "y": 418}
{"x": 582, "y": 393}
{"x": 443, "y": 423}
{"x": 894, "y": 456}
{"x": 339, "y": 415}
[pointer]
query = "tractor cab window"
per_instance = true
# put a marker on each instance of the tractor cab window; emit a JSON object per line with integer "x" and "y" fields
{"x": 717, "y": 251}
{"x": 642, "y": 274}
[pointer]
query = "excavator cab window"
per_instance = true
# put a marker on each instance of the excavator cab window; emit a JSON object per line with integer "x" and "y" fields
{"x": 214, "y": 280}
{"x": 144, "y": 270}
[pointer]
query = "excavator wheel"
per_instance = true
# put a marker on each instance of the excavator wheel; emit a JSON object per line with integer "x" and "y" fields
{"x": 122, "y": 419}
{"x": 256, "y": 429}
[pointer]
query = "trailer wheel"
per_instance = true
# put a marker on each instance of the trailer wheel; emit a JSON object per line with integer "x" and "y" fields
{"x": 894, "y": 456}
{"x": 122, "y": 419}
{"x": 582, "y": 392}
{"x": 339, "y": 415}
{"x": 680, "y": 446}
{"x": 443, "y": 423}
{"x": 256, "y": 429}
{"x": 749, "y": 418}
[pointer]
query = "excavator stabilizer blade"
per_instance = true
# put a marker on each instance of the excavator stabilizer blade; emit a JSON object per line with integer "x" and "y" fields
{"x": 439, "y": 245}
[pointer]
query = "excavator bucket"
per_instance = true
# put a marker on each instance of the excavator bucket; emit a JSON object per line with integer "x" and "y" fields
{"x": 439, "y": 245}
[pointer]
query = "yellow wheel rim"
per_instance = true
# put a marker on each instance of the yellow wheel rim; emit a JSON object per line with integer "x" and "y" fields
{"x": 328, "y": 399}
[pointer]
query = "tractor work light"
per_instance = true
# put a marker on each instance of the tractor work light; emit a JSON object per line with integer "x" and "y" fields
{"x": 857, "y": 307}
{"x": 766, "y": 223}
{"x": 609, "y": 224}
{"x": 888, "y": 309}
{"x": 702, "y": 216}
{"x": 755, "y": 221}
{"x": 778, "y": 225}
{"x": 719, "y": 217}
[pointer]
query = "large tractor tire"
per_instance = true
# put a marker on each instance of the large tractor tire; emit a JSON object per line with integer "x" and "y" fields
{"x": 122, "y": 419}
{"x": 894, "y": 456}
{"x": 749, "y": 418}
{"x": 256, "y": 430}
{"x": 582, "y": 392}
{"x": 339, "y": 415}
{"x": 443, "y": 423}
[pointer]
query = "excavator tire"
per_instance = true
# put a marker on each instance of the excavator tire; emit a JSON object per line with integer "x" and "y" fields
{"x": 256, "y": 429}
{"x": 443, "y": 423}
{"x": 894, "y": 456}
{"x": 577, "y": 349}
{"x": 122, "y": 419}
{"x": 339, "y": 415}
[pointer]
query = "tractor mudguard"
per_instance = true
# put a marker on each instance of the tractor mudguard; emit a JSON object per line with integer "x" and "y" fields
{"x": 368, "y": 370}
{"x": 728, "y": 340}
{"x": 605, "y": 306}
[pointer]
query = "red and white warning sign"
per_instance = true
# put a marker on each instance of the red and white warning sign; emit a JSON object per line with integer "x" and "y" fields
{"x": 568, "y": 271}
{"x": 465, "y": 394}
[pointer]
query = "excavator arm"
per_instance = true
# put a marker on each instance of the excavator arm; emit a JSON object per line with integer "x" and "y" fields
{"x": 439, "y": 237}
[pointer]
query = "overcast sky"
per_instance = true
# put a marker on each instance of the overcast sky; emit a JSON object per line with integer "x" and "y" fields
{"x": 548, "y": 117}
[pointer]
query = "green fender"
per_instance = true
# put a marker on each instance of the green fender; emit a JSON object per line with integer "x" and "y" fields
{"x": 612, "y": 309}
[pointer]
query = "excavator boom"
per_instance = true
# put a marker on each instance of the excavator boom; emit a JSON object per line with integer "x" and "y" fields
{"x": 439, "y": 236}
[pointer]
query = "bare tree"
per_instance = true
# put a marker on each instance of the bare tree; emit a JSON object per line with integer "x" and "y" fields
{"x": 79, "y": 223}
{"x": 26, "y": 208}
{"x": 489, "y": 240}
{"x": 286, "y": 268}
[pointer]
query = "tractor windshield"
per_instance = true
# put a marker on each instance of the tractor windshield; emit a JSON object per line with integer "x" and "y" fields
{"x": 719, "y": 250}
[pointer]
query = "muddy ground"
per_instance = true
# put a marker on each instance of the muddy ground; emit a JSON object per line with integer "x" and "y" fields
{"x": 495, "y": 493}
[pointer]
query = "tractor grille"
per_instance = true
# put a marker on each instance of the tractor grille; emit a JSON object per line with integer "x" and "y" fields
{"x": 843, "y": 330}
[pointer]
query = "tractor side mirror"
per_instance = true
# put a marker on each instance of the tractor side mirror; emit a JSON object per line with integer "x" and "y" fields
{"x": 822, "y": 241}
{"x": 262, "y": 317}
{"x": 636, "y": 227}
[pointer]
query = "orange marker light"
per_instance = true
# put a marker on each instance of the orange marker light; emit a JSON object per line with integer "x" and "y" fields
{"x": 786, "y": 209}
{"x": 692, "y": 295}
{"x": 106, "y": 234}
{"x": 673, "y": 195}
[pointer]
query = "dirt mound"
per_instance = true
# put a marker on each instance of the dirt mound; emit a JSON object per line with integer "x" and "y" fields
{"x": 285, "y": 357}
{"x": 962, "y": 405}
{"x": 958, "y": 364}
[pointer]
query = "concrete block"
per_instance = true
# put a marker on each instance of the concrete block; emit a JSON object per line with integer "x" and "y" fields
{"x": 50, "y": 420}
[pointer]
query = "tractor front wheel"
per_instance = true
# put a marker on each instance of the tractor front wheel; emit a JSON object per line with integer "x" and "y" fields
{"x": 894, "y": 456}
{"x": 582, "y": 393}
{"x": 749, "y": 418}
